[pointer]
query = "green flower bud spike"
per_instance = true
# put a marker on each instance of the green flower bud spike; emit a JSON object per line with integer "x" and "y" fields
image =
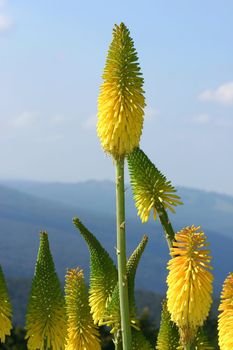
{"x": 5, "y": 309}
{"x": 168, "y": 337}
{"x": 103, "y": 274}
{"x": 46, "y": 317}
{"x": 139, "y": 342}
{"x": 202, "y": 342}
{"x": 131, "y": 267}
{"x": 152, "y": 191}
{"x": 112, "y": 317}
{"x": 82, "y": 333}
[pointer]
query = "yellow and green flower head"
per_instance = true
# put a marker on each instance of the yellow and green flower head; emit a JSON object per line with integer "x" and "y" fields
{"x": 225, "y": 321}
{"x": 46, "y": 317}
{"x": 121, "y": 100}
{"x": 5, "y": 309}
{"x": 82, "y": 333}
{"x": 189, "y": 281}
{"x": 150, "y": 187}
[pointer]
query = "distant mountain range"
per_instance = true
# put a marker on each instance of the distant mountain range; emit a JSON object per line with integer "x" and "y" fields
{"x": 211, "y": 210}
{"x": 28, "y": 207}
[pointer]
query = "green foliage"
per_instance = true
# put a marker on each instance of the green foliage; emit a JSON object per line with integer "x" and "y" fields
{"x": 16, "y": 341}
{"x": 46, "y": 318}
{"x": 210, "y": 329}
{"x": 103, "y": 274}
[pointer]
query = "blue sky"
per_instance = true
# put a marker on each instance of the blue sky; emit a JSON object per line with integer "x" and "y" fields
{"x": 51, "y": 61}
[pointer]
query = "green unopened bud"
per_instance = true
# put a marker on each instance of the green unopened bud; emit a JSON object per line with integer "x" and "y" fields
{"x": 46, "y": 317}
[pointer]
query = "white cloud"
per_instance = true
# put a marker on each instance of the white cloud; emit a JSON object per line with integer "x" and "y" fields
{"x": 6, "y": 23}
{"x": 31, "y": 118}
{"x": 25, "y": 120}
{"x": 223, "y": 94}
{"x": 202, "y": 119}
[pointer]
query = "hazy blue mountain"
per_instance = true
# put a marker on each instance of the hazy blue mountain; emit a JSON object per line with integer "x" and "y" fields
{"x": 210, "y": 210}
{"x": 28, "y": 207}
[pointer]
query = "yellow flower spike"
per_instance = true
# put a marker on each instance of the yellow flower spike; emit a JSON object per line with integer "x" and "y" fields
{"x": 121, "y": 100}
{"x": 189, "y": 282}
{"x": 82, "y": 333}
{"x": 225, "y": 320}
{"x": 5, "y": 309}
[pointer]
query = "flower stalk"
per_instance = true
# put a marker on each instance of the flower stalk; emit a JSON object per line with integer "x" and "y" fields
{"x": 166, "y": 224}
{"x": 121, "y": 256}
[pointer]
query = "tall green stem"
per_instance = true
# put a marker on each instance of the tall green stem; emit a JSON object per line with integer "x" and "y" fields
{"x": 167, "y": 226}
{"x": 121, "y": 256}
